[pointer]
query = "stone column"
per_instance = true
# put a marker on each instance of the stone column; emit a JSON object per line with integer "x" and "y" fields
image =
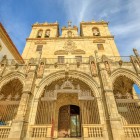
{"x": 17, "y": 124}
{"x": 32, "y": 117}
{"x": 114, "y": 126}
{"x": 102, "y": 116}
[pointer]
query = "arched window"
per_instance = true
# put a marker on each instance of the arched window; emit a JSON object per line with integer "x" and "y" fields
{"x": 100, "y": 47}
{"x": 69, "y": 34}
{"x": 95, "y": 31}
{"x": 47, "y": 33}
{"x": 39, "y": 34}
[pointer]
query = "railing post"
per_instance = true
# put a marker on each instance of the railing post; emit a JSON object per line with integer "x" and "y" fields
{"x": 85, "y": 132}
{"x": 49, "y": 132}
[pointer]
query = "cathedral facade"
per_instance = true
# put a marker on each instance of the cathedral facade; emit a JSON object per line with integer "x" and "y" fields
{"x": 69, "y": 85}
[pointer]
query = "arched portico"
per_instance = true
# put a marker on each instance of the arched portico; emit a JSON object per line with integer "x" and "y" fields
{"x": 14, "y": 75}
{"x": 126, "y": 98}
{"x": 77, "y": 89}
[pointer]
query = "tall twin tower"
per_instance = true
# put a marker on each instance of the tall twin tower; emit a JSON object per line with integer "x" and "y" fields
{"x": 71, "y": 86}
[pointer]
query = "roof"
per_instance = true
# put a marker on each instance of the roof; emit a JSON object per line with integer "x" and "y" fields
{"x": 10, "y": 45}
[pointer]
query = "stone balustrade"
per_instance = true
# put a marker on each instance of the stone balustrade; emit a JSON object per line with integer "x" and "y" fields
{"x": 40, "y": 131}
{"x": 92, "y": 130}
{"x": 132, "y": 131}
{"x": 4, "y": 132}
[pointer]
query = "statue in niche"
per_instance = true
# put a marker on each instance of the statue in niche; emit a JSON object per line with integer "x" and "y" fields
{"x": 40, "y": 69}
{"x": 107, "y": 66}
{"x": 93, "y": 69}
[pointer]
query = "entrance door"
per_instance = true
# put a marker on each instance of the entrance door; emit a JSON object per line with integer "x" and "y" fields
{"x": 69, "y": 121}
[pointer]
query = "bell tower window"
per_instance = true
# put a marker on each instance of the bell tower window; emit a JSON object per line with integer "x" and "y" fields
{"x": 47, "y": 33}
{"x": 39, "y": 48}
{"x": 95, "y": 31}
{"x": 39, "y": 34}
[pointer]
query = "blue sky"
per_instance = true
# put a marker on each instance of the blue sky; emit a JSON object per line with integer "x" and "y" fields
{"x": 17, "y": 16}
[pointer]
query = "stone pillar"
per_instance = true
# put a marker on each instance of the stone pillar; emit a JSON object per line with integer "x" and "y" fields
{"x": 17, "y": 124}
{"x": 115, "y": 129}
{"x": 102, "y": 116}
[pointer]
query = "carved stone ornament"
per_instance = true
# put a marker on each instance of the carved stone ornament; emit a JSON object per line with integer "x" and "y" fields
{"x": 78, "y": 51}
{"x": 98, "y": 41}
{"x": 69, "y": 46}
{"x": 67, "y": 85}
{"x": 61, "y": 52}
{"x": 40, "y": 42}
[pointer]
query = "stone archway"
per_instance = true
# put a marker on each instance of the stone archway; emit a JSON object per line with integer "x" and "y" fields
{"x": 126, "y": 99}
{"x": 69, "y": 123}
{"x": 10, "y": 96}
{"x": 45, "y": 108}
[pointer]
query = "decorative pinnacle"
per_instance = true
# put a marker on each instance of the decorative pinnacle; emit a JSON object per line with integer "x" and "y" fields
{"x": 69, "y": 23}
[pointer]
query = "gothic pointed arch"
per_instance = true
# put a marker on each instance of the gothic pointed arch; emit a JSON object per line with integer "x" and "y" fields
{"x": 73, "y": 74}
{"x": 125, "y": 95}
{"x": 10, "y": 76}
{"x": 10, "y": 96}
{"x": 125, "y": 72}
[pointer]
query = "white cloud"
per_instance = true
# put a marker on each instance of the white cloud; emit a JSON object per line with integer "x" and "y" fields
{"x": 124, "y": 18}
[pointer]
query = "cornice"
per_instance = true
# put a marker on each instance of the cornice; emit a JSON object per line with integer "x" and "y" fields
{"x": 94, "y": 23}
{"x": 79, "y": 37}
{"x": 43, "y": 25}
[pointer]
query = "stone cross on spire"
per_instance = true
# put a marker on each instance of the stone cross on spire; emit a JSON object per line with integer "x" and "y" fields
{"x": 69, "y": 23}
